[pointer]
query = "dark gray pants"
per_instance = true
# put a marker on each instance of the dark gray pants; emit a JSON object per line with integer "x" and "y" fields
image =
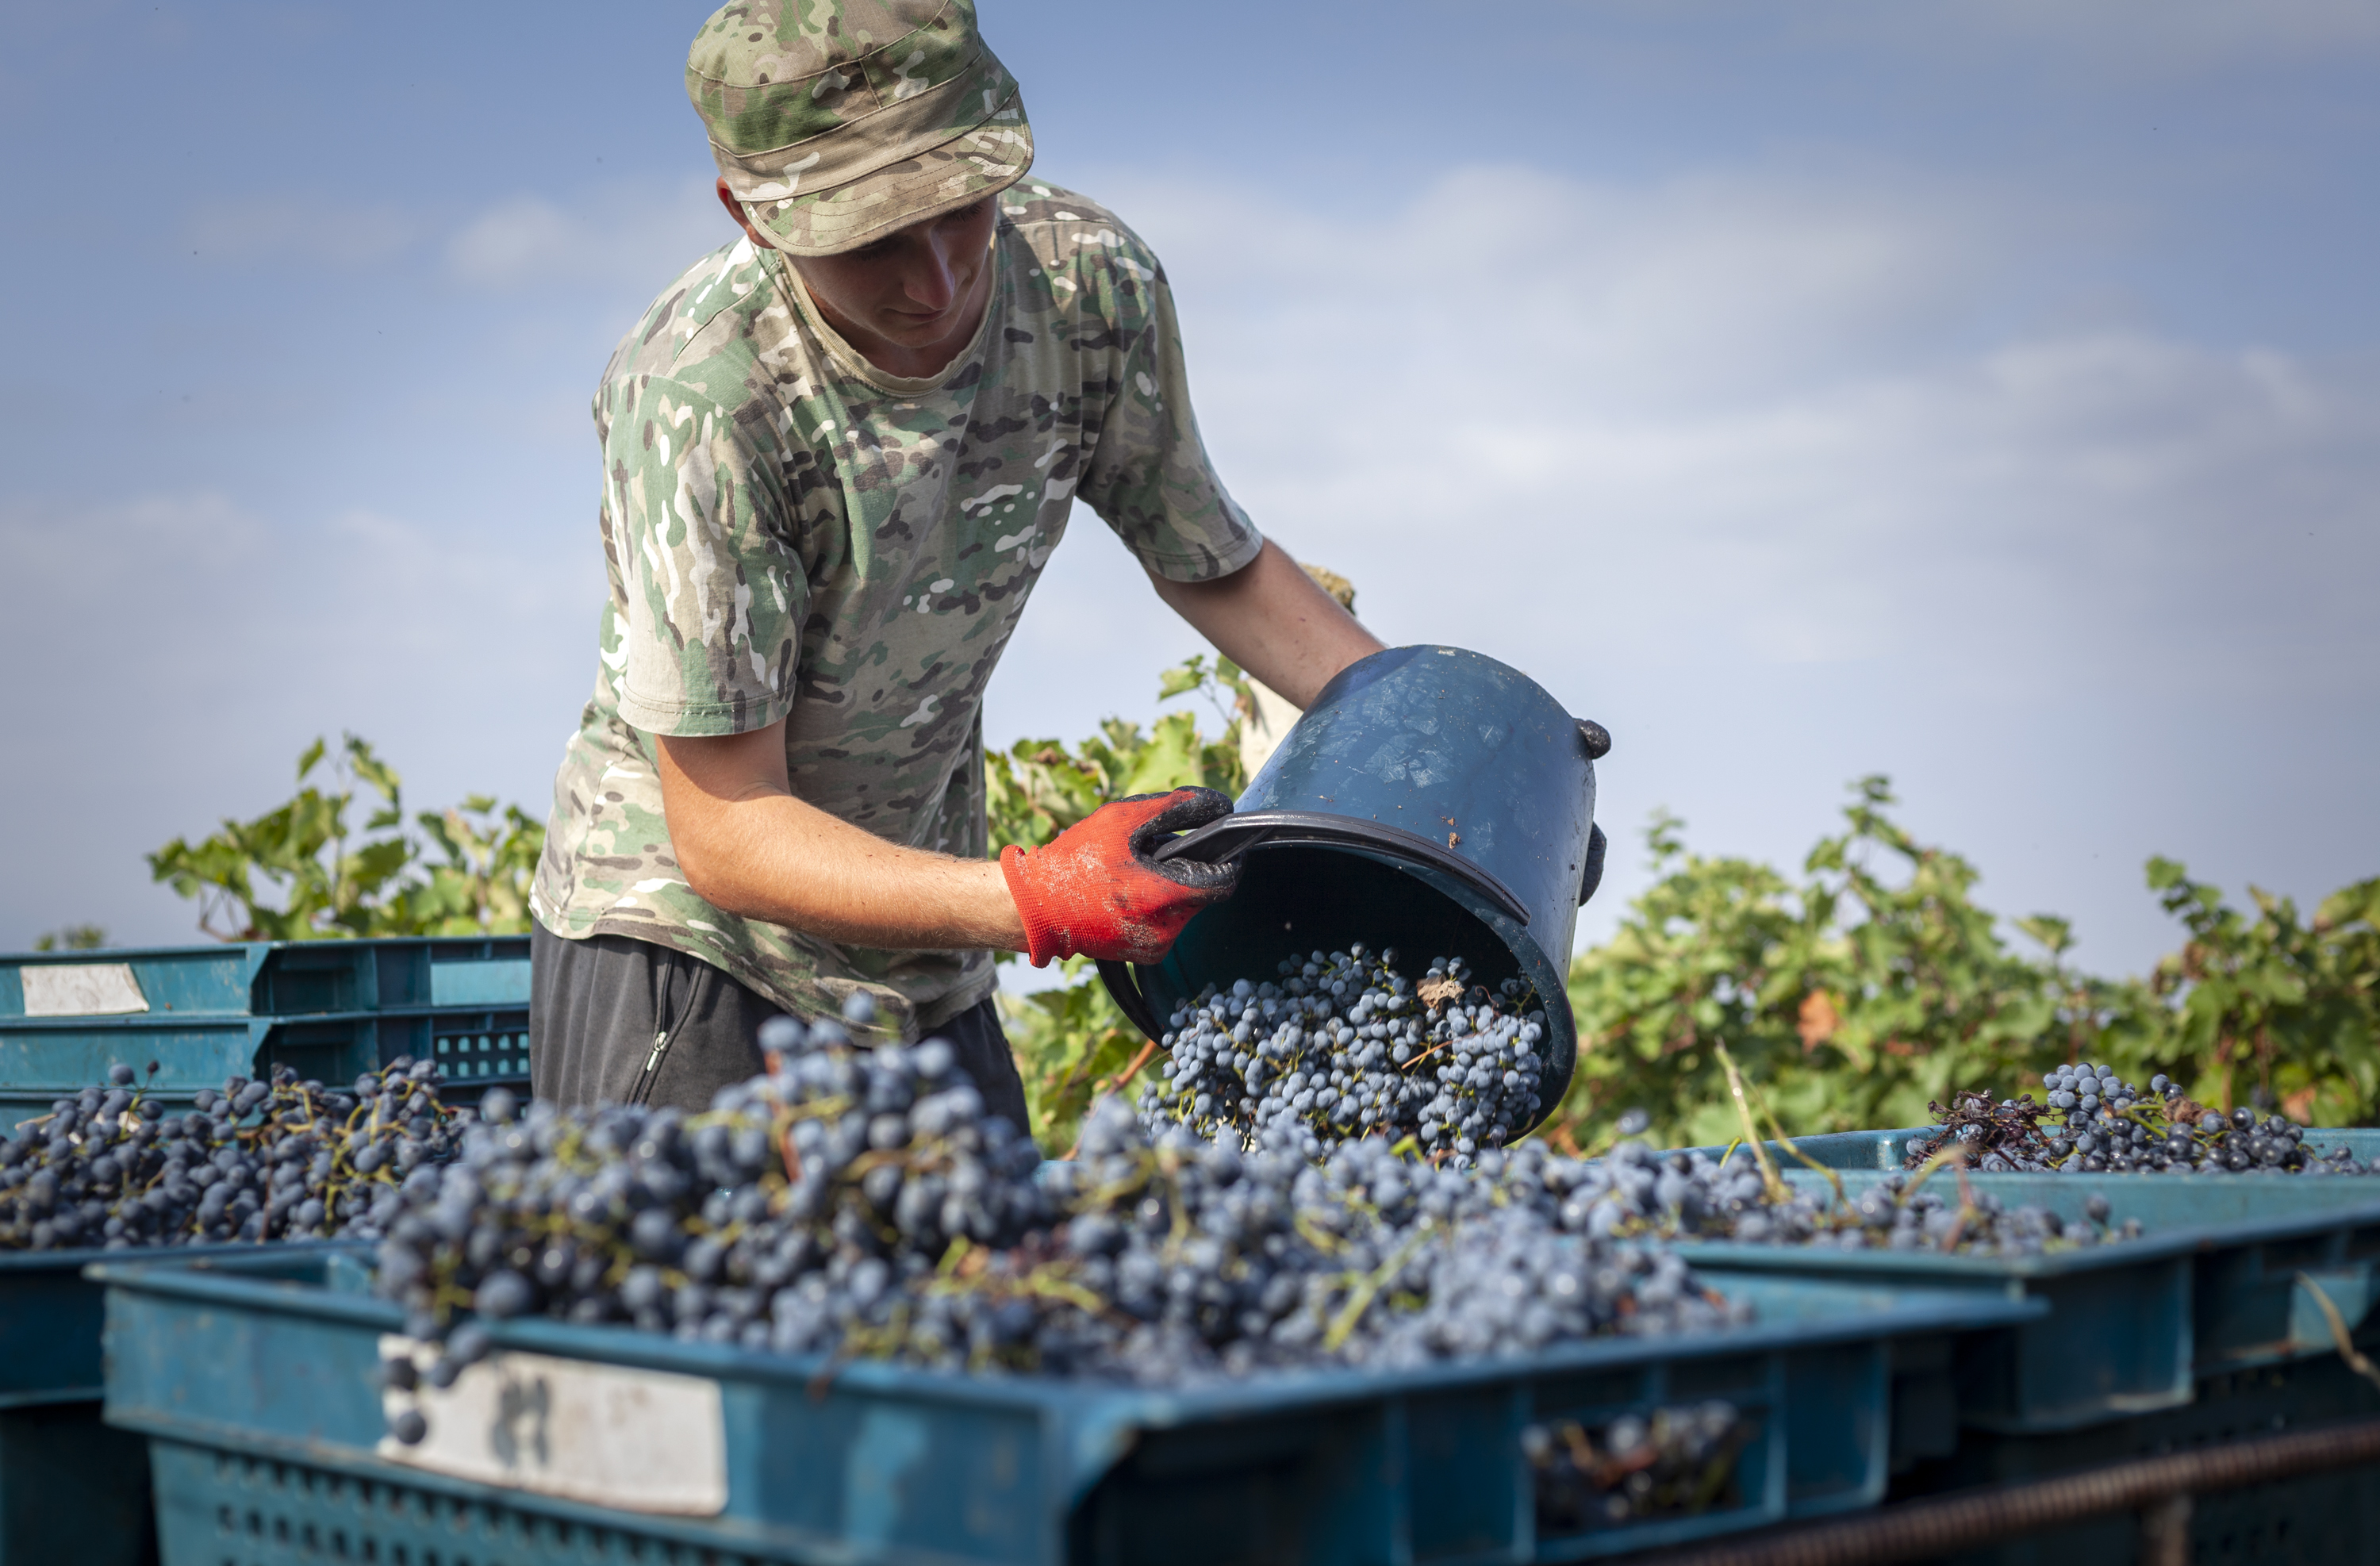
{"x": 615, "y": 1020}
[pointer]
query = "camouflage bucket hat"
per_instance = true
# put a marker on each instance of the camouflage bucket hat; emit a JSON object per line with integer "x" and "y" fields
{"x": 835, "y": 122}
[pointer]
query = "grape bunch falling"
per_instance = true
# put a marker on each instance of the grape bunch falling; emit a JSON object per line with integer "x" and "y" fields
{"x": 1343, "y": 1046}
{"x": 2093, "y": 1121}
{"x": 274, "y": 1160}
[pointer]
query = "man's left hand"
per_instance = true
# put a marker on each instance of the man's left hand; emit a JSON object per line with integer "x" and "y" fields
{"x": 1098, "y": 889}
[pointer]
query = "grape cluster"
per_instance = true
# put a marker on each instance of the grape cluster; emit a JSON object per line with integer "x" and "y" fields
{"x": 2093, "y": 1121}
{"x": 859, "y": 1203}
{"x": 274, "y": 1160}
{"x": 1897, "y": 1216}
{"x": 1341, "y": 1046}
{"x": 793, "y": 1208}
{"x": 1638, "y": 1193}
{"x": 1675, "y": 1462}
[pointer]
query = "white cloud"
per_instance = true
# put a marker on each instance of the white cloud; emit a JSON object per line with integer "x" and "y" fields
{"x": 1709, "y": 287}
{"x": 634, "y": 235}
{"x": 171, "y": 654}
{"x": 2105, "y": 42}
{"x": 283, "y": 230}
{"x": 2193, "y": 35}
{"x": 514, "y": 242}
{"x": 1759, "y": 404}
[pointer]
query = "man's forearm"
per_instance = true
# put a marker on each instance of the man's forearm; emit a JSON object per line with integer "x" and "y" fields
{"x": 753, "y": 849}
{"x": 1271, "y": 619}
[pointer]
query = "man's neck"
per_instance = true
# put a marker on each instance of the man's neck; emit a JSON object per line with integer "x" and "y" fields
{"x": 922, "y": 363}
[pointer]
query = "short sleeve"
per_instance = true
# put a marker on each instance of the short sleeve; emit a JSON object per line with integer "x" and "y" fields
{"x": 697, "y": 517}
{"x": 1148, "y": 476}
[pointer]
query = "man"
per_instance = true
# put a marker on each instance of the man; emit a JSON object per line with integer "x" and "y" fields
{"x": 837, "y": 454}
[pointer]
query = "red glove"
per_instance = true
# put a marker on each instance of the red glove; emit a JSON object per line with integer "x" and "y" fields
{"x": 1098, "y": 891}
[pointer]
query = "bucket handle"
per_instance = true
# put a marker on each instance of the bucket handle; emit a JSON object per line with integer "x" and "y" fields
{"x": 1124, "y": 987}
{"x": 1593, "y": 878}
{"x": 1597, "y": 739}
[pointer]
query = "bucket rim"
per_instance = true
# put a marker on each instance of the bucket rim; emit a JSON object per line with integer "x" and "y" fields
{"x": 1243, "y": 833}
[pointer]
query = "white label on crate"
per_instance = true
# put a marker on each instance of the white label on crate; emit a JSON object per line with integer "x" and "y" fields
{"x": 81, "y": 990}
{"x": 642, "y": 1441}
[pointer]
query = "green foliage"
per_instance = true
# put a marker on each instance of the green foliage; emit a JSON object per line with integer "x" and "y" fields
{"x": 1852, "y": 997}
{"x": 71, "y": 938}
{"x": 481, "y": 884}
{"x": 1072, "y": 1047}
{"x": 1038, "y": 788}
{"x": 332, "y": 881}
{"x": 2274, "y": 1009}
{"x": 1875, "y": 985}
{"x": 1072, "y": 1044}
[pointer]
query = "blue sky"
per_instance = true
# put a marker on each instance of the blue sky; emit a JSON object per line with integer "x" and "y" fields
{"x": 1985, "y": 394}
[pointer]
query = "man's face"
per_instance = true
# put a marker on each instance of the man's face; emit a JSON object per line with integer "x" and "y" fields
{"x": 916, "y": 288}
{"x": 918, "y": 291}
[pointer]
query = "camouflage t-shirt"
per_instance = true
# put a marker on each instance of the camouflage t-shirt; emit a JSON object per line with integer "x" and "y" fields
{"x": 793, "y": 533}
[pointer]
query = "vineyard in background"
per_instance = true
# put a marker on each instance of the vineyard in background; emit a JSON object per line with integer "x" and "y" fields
{"x": 1857, "y": 991}
{"x": 464, "y": 870}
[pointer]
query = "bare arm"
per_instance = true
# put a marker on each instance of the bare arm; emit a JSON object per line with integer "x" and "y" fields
{"x": 1271, "y": 620}
{"x": 748, "y": 846}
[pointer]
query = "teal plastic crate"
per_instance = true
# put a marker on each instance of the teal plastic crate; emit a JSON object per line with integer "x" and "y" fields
{"x": 253, "y": 1380}
{"x": 269, "y": 979}
{"x": 2329, "y": 1518}
{"x": 52, "y": 1314}
{"x": 72, "y": 1487}
{"x": 2218, "y": 1282}
{"x": 475, "y": 1050}
{"x": 328, "y": 1009}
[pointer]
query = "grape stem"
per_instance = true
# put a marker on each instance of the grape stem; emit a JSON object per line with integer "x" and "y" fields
{"x": 1787, "y": 1143}
{"x": 1359, "y": 1299}
{"x": 1956, "y": 1153}
{"x": 1770, "y": 1181}
{"x": 2338, "y": 1333}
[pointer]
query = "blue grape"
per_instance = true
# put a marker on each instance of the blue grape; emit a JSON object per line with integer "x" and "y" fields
{"x": 273, "y": 1159}
{"x": 1341, "y": 1046}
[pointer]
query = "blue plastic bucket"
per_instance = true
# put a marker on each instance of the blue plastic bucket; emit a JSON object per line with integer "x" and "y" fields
{"x": 1431, "y": 801}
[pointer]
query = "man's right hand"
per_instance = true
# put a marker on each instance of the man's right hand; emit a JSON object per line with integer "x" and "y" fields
{"x": 1098, "y": 889}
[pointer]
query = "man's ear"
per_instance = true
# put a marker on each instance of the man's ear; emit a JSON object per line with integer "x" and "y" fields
{"x": 735, "y": 210}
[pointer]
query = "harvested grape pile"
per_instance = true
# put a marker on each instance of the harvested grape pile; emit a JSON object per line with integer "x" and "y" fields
{"x": 859, "y": 1203}
{"x": 2093, "y": 1121}
{"x": 1635, "y": 1192}
{"x": 283, "y": 1159}
{"x": 1343, "y": 1046}
{"x": 1678, "y": 1462}
{"x": 1898, "y": 1217}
